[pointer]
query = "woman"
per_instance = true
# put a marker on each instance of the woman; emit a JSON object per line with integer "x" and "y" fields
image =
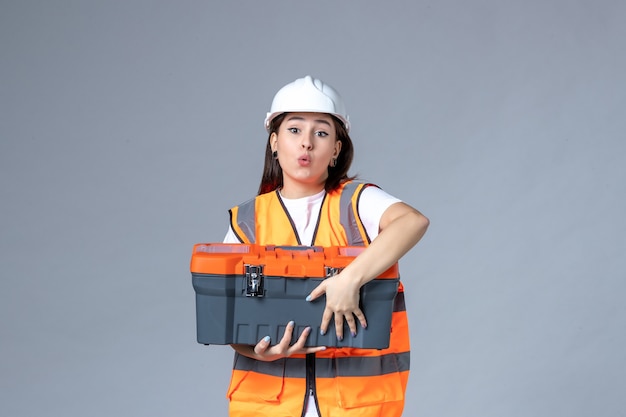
{"x": 307, "y": 198}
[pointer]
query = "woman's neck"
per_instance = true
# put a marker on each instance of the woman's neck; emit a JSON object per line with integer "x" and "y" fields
{"x": 293, "y": 191}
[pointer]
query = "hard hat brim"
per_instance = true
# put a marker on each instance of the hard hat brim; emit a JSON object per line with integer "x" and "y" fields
{"x": 272, "y": 116}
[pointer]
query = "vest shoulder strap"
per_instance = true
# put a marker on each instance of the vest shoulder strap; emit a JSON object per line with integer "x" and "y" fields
{"x": 243, "y": 221}
{"x": 349, "y": 213}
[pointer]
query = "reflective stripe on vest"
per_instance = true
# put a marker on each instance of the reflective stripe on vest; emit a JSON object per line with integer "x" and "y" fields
{"x": 349, "y": 214}
{"x": 353, "y": 366}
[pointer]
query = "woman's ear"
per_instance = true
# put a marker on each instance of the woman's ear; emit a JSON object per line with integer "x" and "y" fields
{"x": 337, "y": 148}
{"x": 273, "y": 141}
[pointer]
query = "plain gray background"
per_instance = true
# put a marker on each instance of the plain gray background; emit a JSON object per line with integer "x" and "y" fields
{"x": 128, "y": 128}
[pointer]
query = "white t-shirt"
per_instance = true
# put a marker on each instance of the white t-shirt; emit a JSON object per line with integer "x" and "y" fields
{"x": 305, "y": 211}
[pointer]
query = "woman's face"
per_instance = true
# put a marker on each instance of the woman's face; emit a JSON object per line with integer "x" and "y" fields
{"x": 306, "y": 143}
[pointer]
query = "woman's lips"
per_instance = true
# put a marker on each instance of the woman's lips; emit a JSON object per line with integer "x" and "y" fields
{"x": 304, "y": 160}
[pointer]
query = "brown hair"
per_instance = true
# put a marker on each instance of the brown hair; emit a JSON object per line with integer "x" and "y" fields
{"x": 272, "y": 177}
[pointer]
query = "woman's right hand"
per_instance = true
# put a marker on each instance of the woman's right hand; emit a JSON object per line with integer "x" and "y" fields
{"x": 264, "y": 351}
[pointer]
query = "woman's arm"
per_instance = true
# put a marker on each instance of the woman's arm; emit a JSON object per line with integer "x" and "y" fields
{"x": 401, "y": 227}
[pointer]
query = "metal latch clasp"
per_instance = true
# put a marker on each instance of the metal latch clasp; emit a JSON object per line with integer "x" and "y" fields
{"x": 254, "y": 280}
{"x": 332, "y": 271}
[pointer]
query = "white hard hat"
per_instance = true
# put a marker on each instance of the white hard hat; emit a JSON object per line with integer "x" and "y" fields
{"x": 308, "y": 95}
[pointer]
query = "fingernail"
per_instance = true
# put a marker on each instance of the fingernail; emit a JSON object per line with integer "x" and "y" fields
{"x": 353, "y": 334}
{"x": 291, "y": 323}
{"x": 308, "y": 298}
{"x": 340, "y": 338}
{"x": 322, "y": 332}
{"x": 266, "y": 339}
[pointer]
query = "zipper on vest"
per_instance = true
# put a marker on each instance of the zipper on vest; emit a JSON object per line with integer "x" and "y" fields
{"x": 310, "y": 384}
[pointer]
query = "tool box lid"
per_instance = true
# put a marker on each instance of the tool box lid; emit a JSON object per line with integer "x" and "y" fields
{"x": 285, "y": 261}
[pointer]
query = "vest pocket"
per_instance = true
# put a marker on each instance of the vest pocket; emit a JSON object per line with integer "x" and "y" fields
{"x": 368, "y": 381}
{"x": 261, "y": 382}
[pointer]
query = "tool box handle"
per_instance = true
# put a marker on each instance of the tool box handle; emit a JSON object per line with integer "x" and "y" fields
{"x": 296, "y": 248}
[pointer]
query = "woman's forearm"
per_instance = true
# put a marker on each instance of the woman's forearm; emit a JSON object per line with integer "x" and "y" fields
{"x": 396, "y": 239}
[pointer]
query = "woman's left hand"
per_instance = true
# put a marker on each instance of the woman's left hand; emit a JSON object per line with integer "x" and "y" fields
{"x": 342, "y": 302}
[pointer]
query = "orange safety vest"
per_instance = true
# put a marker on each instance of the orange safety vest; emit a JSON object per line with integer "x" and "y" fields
{"x": 347, "y": 382}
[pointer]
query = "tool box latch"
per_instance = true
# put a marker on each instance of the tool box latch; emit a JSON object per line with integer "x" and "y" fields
{"x": 332, "y": 271}
{"x": 254, "y": 280}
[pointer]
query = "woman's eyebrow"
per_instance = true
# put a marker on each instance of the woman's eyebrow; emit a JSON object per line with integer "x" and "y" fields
{"x": 299, "y": 118}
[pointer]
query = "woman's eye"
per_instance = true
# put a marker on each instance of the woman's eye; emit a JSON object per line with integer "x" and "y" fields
{"x": 293, "y": 129}
{"x": 321, "y": 133}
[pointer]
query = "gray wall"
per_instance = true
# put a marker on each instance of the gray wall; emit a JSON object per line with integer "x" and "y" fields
{"x": 128, "y": 128}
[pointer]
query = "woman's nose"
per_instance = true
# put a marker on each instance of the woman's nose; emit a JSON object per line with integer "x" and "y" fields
{"x": 307, "y": 143}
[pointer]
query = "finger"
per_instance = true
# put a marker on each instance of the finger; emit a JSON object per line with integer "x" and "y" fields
{"x": 361, "y": 317}
{"x": 299, "y": 347}
{"x": 317, "y": 292}
{"x": 286, "y": 339}
{"x": 339, "y": 326}
{"x": 326, "y": 317}
{"x": 301, "y": 340}
{"x": 312, "y": 349}
{"x": 262, "y": 346}
{"x": 351, "y": 324}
